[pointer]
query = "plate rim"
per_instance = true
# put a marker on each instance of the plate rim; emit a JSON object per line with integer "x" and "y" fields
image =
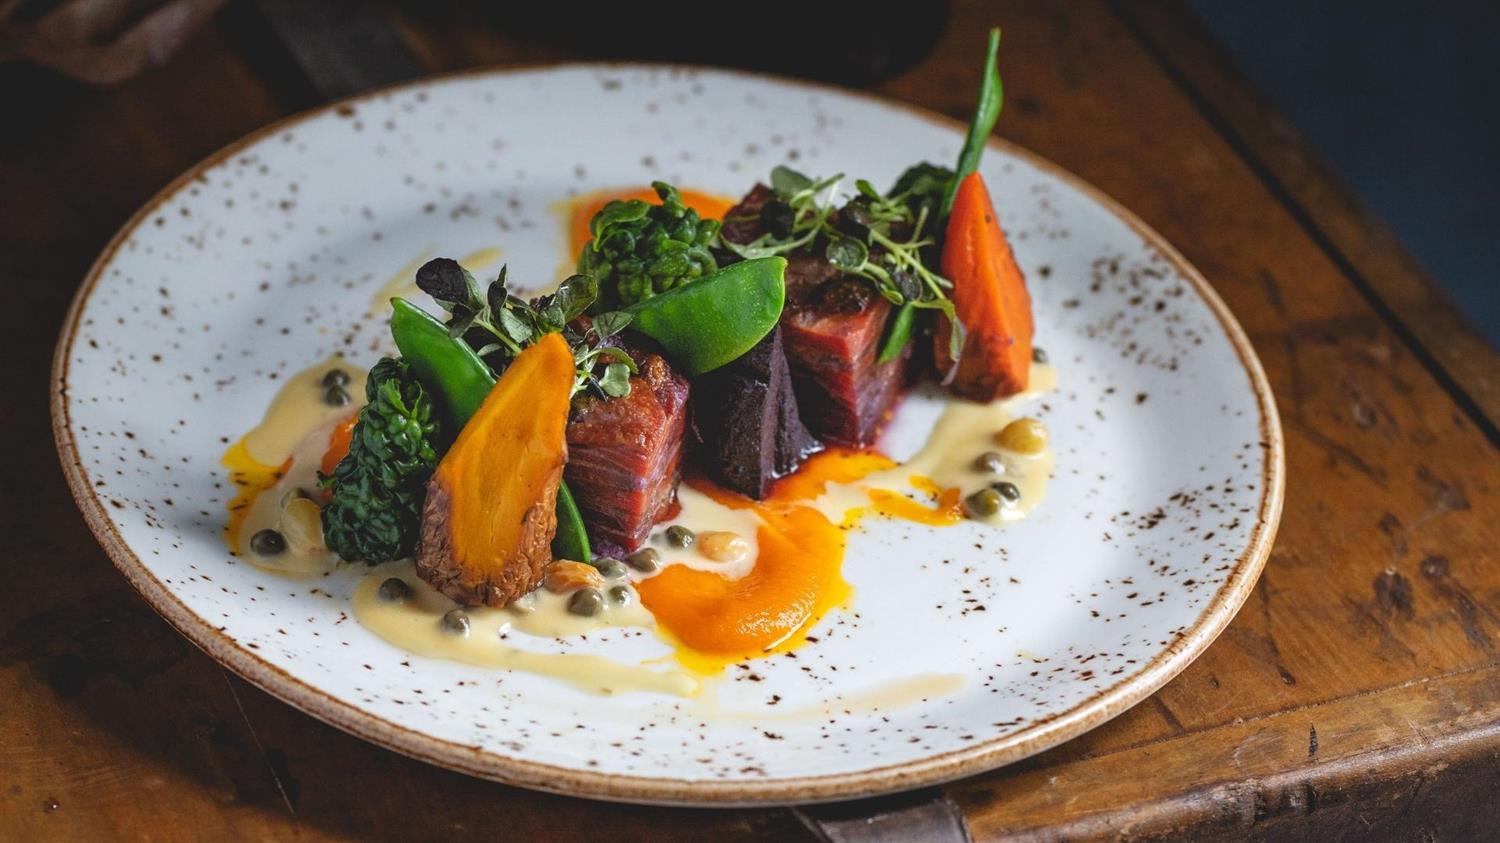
{"x": 1040, "y": 735}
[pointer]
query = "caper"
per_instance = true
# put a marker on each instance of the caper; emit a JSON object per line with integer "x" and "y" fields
{"x": 394, "y": 590}
{"x": 1023, "y": 436}
{"x": 336, "y": 396}
{"x": 336, "y": 377}
{"x": 982, "y": 503}
{"x": 990, "y": 462}
{"x": 456, "y": 622}
{"x": 611, "y": 568}
{"x": 680, "y": 536}
{"x": 1008, "y": 490}
{"x": 268, "y": 543}
{"x": 621, "y": 595}
{"x": 1038, "y": 354}
{"x": 587, "y": 602}
{"x": 645, "y": 560}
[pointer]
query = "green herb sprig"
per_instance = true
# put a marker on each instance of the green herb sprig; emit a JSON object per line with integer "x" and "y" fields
{"x": 877, "y": 237}
{"x": 500, "y": 324}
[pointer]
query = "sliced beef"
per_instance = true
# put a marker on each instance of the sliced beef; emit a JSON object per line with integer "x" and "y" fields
{"x": 625, "y": 454}
{"x": 746, "y": 416}
{"x": 832, "y": 327}
{"x": 832, "y": 336}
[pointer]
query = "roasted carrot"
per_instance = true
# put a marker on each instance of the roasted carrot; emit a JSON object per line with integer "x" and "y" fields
{"x": 338, "y": 444}
{"x": 990, "y": 298}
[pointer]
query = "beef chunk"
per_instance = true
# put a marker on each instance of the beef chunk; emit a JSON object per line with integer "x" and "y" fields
{"x": 625, "y": 454}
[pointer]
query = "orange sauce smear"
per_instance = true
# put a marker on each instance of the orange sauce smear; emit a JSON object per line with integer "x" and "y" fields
{"x": 250, "y": 477}
{"x": 798, "y": 573}
{"x": 583, "y": 208}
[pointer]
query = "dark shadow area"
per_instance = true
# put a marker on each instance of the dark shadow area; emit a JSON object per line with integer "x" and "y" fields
{"x": 1401, "y": 101}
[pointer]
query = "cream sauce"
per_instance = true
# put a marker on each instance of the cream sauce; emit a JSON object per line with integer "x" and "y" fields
{"x": 295, "y": 432}
{"x": 269, "y": 512}
{"x": 299, "y": 408}
{"x": 415, "y": 625}
{"x": 963, "y": 432}
{"x": 701, "y": 514}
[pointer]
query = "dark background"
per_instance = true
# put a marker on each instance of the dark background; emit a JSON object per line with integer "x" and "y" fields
{"x": 1403, "y": 101}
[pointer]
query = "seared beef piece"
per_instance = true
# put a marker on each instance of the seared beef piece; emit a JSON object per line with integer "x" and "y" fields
{"x": 832, "y": 335}
{"x": 832, "y": 326}
{"x": 742, "y": 223}
{"x": 746, "y": 416}
{"x": 625, "y": 454}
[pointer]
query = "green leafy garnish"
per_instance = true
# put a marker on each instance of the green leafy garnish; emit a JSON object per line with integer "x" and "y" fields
{"x": 498, "y": 324}
{"x": 640, "y": 250}
{"x": 878, "y": 238}
{"x": 377, "y": 490}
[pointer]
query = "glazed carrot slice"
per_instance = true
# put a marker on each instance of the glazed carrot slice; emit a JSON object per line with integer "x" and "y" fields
{"x": 338, "y": 444}
{"x": 989, "y": 295}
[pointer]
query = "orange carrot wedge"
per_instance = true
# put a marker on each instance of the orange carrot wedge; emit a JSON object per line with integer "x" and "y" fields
{"x": 338, "y": 444}
{"x": 989, "y": 295}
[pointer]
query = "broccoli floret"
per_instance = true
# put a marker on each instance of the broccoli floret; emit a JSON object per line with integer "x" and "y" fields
{"x": 376, "y": 510}
{"x": 640, "y": 249}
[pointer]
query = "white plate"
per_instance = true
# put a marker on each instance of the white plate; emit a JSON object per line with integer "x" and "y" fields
{"x": 263, "y": 259}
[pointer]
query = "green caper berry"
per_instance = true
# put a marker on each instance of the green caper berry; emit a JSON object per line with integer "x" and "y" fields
{"x": 586, "y": 602}
{"x": 394, "y": 590}
{"x": 680, "y": 536}
{"x": 646, "y": 560}
{"x": 621, "y": 595}
{"x": 336, "y": 396}
{"x": 456, "y": 622}
{"x": 268, "y": 543}
{"x": 1038, "y": 354}
{"x": 336, "y": 377}
{"x": 990, "y": 462}
{"x": 611, "y": 568}
{"x": 982, "y": 503}
{"x": 1008, "y": 490}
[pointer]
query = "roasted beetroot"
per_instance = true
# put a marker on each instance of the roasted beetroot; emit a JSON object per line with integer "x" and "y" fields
{"x": 746, "y": 417}
{"x": 625, "y": 454}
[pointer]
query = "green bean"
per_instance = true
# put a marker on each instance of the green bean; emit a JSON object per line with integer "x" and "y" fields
{"x": 991, "y": 97}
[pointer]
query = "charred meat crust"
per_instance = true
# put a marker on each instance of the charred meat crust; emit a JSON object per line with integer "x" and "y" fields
{"x": 474, "y": 582}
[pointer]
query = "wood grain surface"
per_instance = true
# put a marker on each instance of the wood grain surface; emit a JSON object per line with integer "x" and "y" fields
{"x": 1356, "y": 694}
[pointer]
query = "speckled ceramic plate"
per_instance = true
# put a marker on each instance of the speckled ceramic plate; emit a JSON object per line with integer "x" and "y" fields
{"x": 264, "y": 259}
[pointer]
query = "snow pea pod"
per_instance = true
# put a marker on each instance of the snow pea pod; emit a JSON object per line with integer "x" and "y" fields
{"x": 446, "y": 364}
{"x": 451, "y": 369}
{"x": 713, "y": 320}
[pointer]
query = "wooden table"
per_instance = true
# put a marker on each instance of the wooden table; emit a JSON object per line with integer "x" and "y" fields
{"x": 1357, "y": 692}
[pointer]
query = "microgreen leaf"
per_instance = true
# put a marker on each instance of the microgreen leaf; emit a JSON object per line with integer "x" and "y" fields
{"x": 845, "y": 252}
{"x": 448, "y": 283}
{"x": 788, "y": 182}
{"x": 515, "y": 327}
{"x": 616, "y": 380}
{"x": 611, "y": 322}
